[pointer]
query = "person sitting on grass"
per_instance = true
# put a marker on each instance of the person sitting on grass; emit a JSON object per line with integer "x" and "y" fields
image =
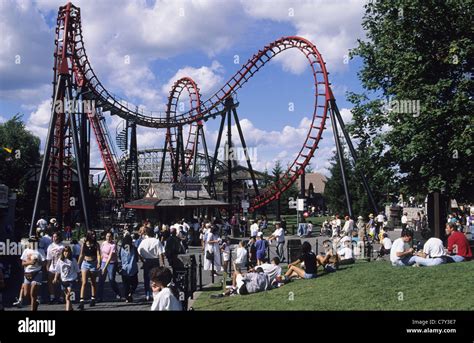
{"x": 401, "y": 253}
{"x": 252, "y": 282}
{"x": 432, "y": 254}
{"x": 273, "y": 269}
{"x": 328, "y": 260}
{"x": 386, "y": 245}
{"x": 458, "y": 245}
{"x": 345, "y": 255}
{"x": 310, "y": 265}
{"x": 165, "y": 296}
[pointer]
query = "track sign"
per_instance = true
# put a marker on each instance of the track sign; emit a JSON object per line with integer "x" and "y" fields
{"x": 301, "y": 204}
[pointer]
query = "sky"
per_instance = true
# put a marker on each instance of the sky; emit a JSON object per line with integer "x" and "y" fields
{"x": 207, "y": 40}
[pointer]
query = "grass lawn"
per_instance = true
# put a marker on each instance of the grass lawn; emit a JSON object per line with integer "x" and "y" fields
{"x": 363, "y": 286}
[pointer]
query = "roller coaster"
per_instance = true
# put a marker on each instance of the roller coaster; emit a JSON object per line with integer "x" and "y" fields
{"x": 74, "y": 80}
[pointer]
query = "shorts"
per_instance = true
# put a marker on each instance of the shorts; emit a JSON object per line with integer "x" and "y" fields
{"x": 67, "y": 285}
{"x": 309, "y": 276}
{"x": 90, "y": 266}
{"x": 328, "y": 268}
{"x": 240, "y": 284}
{"x": 37, "y": 278}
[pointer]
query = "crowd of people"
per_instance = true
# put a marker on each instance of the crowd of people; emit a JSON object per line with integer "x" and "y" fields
{"x": 87, "y": 264}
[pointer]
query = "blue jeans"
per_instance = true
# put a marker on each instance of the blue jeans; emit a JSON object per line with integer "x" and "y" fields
{"x": 457, "y": 258}
{"x": 111, "y": 271}
{"x": 406, "y": 261}
{"x": 302, "y": 229}
{"x": 428, "y": 262}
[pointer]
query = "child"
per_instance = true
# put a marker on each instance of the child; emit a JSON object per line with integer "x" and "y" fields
{"x": 164, "y": 296}
{"x": 67, "y": 269}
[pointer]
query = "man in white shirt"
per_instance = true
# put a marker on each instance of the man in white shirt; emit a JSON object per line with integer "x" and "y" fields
{"x": 151, "y": 252}
{"x": 401, "y": 254}
{"x": 273, "y": 270}
{"x": 254, "y": 229}
{"x": 279, "y": 236}
{"x": 432, "y": 254}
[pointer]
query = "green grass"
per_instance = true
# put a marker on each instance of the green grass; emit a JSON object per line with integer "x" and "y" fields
{"x": 363, "y": 286}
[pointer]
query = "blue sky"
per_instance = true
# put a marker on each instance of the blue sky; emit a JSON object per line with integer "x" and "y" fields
{"x": 165, "y": 40}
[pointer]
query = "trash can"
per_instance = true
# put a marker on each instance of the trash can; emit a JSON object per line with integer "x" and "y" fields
{"x": 293, "y": 249}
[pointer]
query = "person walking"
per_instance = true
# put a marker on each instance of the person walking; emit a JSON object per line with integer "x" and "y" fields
{"x": 67, "y": 270}
{"x": 90, "y": 262}
{"x": 129, "y": 267}
{"x": 151, "y": 251}
{"x": 108, "y": 268}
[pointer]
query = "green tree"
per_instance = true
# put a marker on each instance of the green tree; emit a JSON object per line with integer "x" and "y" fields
{"x": 418, "y": 61}
{"x": 19, "y": 150}
{"x": 19, "y": 153}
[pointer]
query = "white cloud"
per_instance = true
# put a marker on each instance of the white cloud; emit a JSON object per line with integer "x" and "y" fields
{"x": 38, "y": 121}
{"x": 2, "y": 119}
{"x": 27, "y": 46}
{"x": 333, "y": 26}
{"x": 206, "y": 78}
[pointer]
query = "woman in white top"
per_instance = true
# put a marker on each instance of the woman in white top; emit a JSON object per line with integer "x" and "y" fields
{"x": 165, "y": 297}
{"x": 67, "y": 271}
{"x": 212, "y": 252}
{"x": 32, "y": 261}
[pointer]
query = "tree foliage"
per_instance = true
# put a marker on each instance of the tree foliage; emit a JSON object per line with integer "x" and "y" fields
{"x": 417, "y": 53}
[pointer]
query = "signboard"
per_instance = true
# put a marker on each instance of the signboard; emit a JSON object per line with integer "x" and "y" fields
{"x": 301, "y": 204}
{"x": 187, "y": 183}
{"x": 245, "y": 205}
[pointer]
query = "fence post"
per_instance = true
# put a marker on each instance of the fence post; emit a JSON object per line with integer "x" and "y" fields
{"x": 288, "y": 253}
{"x": 268, "y": 251}
{"x": 213, "y": 270}
{"x": 200, "y": 272}
{"x": 186, "y": 286}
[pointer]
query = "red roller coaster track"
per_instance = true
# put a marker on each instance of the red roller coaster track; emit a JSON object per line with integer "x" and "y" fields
{"x": 71, "y": 58}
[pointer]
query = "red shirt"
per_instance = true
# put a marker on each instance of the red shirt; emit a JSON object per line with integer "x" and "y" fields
{"x": 459, "y": 240}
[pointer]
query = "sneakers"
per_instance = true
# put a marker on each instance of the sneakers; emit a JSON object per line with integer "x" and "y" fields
{"x": 81, "y": 306}
{"x": 129, "y": 299}
{"x": 18, "y": 303}
{"x": 92, "y": 303}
